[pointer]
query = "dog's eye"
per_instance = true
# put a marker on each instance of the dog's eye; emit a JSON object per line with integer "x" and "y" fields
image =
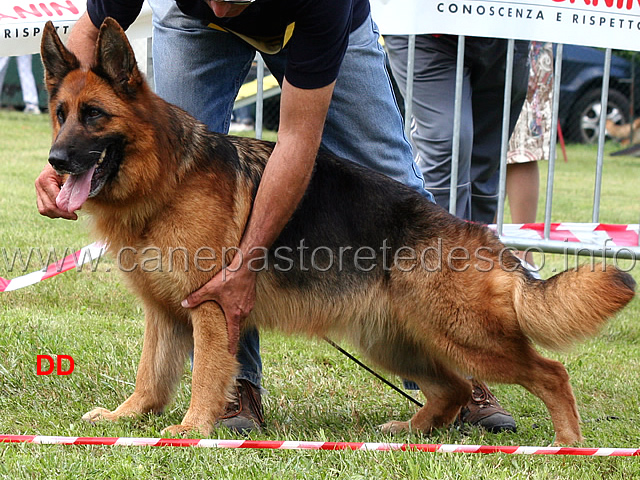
{"x": 93, "y": 113}
{"x": 60, "y": 116}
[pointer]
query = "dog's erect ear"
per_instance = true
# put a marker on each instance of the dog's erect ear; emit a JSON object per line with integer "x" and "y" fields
{"x": 57, "y": 60}
{"x": 114, "y": 58}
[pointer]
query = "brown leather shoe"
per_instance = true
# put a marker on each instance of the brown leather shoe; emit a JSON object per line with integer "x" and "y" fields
{"x": 484, "y": 410}
{"x": 244, "y": 414}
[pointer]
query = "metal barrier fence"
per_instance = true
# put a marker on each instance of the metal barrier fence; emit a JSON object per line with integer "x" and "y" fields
{"x": 546, "y": 244}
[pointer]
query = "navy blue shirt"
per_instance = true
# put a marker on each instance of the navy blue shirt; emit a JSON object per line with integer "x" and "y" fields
{"x": 316, "y": 31}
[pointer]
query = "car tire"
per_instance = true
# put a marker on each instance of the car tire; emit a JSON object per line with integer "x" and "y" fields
{"x": 584, "y": 121}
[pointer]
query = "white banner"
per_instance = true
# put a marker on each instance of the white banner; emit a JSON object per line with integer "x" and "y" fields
{"x": 22, "y": 22}
{"x": 596, "y": 23}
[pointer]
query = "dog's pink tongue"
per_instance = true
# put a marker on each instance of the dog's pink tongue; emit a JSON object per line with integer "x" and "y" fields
{"x": 75, "y": 191}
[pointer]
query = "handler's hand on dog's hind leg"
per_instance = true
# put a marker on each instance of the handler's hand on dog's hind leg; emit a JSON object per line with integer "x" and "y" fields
{"x": 234, "y": 290}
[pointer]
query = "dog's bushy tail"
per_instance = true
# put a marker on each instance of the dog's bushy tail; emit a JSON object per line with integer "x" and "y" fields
{"x": 572, "y": 305}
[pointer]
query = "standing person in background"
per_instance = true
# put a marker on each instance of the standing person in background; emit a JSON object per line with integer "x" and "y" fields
{"x": 530, "y": 139}
{"x": 434, "y": 80}
{"x": 27, "y": 82}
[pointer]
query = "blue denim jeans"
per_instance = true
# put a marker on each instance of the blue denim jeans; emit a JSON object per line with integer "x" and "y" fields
{"x": 201, "y": 69}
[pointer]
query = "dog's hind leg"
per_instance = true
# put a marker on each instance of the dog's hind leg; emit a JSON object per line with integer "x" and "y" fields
{"x": 446, "y": 392}
{"x": 549, "y": 381}
{"x": 213, "y": 371}
{"x": 546, "y": 379}
{"x": 167, "y": 342}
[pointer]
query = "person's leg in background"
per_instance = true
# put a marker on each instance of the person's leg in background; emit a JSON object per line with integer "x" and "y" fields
{"x": 4, "y": 65}
{"x": 28, "y": 84}
{"x": 530, "y": 140}
{"x": 433, "y": 110}
{"x": 200, "y": 70}
{"x": 523, "y": 190}
{"x": 488, "y": 57}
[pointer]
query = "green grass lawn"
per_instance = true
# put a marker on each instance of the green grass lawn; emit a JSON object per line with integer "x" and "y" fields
{"x": 314, "y": 393}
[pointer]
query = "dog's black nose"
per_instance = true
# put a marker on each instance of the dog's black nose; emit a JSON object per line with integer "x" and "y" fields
{"x": 59, "y": 159}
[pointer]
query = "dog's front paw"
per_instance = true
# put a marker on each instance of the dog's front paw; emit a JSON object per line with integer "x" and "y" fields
{"x": 99, "y": 414}
{"x": 567, "y": 439}
{"x": 395, "y": 427}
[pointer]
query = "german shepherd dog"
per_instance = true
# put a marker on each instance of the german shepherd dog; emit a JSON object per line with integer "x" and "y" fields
{"x": 623, "y": 132}
{"x": 421, "y": 293}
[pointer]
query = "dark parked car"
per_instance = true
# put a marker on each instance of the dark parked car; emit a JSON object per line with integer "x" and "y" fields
{"x": 581, "y": 89}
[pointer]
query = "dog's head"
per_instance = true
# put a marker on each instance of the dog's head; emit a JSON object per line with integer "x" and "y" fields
{"x": 89, "y": 109}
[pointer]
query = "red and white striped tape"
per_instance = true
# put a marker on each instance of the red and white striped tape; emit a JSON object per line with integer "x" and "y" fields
{"x": 298, "y": 445}
{"x": 84, "y": 255}
{"x": 591, "y": 233}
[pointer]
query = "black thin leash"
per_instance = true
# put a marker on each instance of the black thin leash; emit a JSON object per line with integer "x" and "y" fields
{"x": 378, "y": 376}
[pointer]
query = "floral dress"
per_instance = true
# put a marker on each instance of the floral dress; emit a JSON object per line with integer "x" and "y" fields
{"x": 529, "y": 141}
